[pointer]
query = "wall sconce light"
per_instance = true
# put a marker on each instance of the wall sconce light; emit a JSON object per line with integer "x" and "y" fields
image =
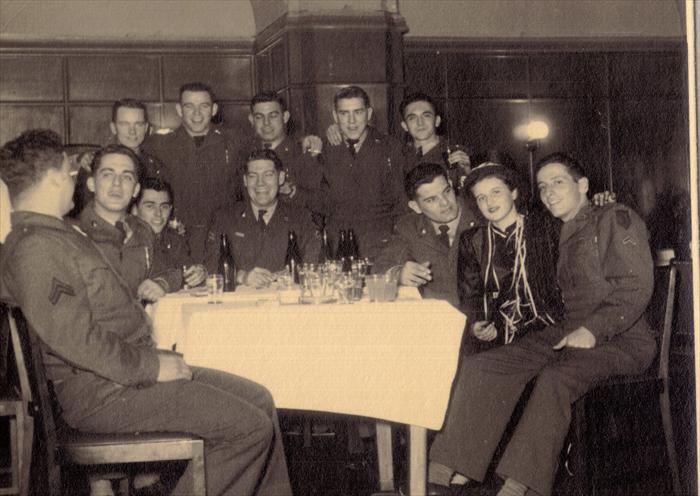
{"x": 532, "y": 132}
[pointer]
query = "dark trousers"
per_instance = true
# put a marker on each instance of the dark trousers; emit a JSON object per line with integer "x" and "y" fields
{"x": 236, "y": 417}
{"x": 488, "y": 388}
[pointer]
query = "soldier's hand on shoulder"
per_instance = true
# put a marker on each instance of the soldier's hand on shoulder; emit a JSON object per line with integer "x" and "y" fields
{"x": 415, "y": 274}
{"x": 150, "y": 290}
{"x": 333, "y": 135}
{"x": 312, "y": 144}
{"x": 172, "y": 367}
{"x": 600, "y": 199}
{"x": 579, "y": 338}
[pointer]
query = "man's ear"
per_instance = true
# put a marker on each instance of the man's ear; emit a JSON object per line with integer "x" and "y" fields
{"x": 137, "y": 188}
{"x": 214, "y": 109}
{"x": 251, "y": 119}
{"x": 515, "y": 194}
{"x": 335, "y": 116}
{"x": 91, "y": 184}
{"x": 404, "y": 126}
{"x": 280, "y": 178}
{"x": 178, "y": 109}
{"x": 370, "y": 110}
{"x": 113, "y": 128}
{"x": 438, "y": 120}
{"x": 413, "y": 205}
{"x": 583, "y": 185}
{"x": 286, "y": 116}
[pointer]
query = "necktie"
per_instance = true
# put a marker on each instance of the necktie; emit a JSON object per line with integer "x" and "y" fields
{"x": 419, "y": 152}
{"x": 444, "y": 235}
{"x": 261, "y": 218}
{"x": 351, "y": 144}
{"x": 122, "y": 231}
{"x": 267, "y": 146}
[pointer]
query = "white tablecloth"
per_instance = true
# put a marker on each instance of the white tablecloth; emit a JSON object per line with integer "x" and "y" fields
{"x": 394, "y": 361}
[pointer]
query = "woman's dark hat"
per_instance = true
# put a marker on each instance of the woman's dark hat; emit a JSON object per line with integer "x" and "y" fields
{"x": 489, "y": 169}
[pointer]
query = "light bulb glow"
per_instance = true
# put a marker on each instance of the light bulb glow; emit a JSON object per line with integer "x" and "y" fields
{"x": 537, "y": 130}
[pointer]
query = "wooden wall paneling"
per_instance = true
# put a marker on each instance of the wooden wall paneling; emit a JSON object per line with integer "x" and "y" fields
{"x": 235, "y": 118}
{"x": 343, "y": 55}
{"x": 230, "y": 76}
{"x": 487, "y": 76}
{"x": 263, "y": 71}
{"x": 31, "y": 78}
{"x": 111, "y": 77}
{"x": 169, "y": 117}
{"x": 17, "y": 118}
{"x": 577, "y": 126}
{"x": 278, "y": 65}
{"x": 89, "y": 124}
{"x": 635, "y": 75}
{"x": 425, "y": 71}
{"x": 568, "y": 74}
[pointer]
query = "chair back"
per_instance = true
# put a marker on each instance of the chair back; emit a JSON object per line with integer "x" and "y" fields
{"x": 660, "y": 315}
{"x": 45, "y": 471}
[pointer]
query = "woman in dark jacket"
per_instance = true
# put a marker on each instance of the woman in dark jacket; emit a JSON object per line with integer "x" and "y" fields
{"x": 506, "y": 268}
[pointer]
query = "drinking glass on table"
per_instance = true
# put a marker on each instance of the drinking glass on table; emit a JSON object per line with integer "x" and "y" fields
{"x": 215, "y": 287}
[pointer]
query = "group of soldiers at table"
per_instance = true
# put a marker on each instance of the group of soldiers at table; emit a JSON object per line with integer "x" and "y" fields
{"x": 555, "y": 294}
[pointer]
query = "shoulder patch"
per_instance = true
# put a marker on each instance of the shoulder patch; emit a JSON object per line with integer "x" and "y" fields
{"x": 59, "y": 288}
{"x": 623, "y": 218}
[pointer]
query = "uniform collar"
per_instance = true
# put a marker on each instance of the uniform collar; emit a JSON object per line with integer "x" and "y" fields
{"x": 568, "y": 229}
{"x": 25, "y": 218}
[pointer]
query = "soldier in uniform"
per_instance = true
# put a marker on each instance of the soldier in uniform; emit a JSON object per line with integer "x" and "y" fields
{"x": 154, "y": 204}
{"x": 126, "y": 241}
{"x": 258, "y": 228}
{"x": 424, "y": 240}
{"x": 201, "y": 162}
{"x": 96, "y": 338}
{"x": 605, "y": 275}
{"x": 269, "y": 118}
{"x": 362, "y": 185}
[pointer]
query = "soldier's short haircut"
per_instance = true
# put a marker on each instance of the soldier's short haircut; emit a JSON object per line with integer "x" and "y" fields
{"x": 574, "y": 167}
{"x": 118, "y": 150}
{"x": 351, "y": 92}
{"x": 197, "y": 87}
{"x": 264, "y": 154}
{"x": 128, "y": 103}
{"x": 268, "y": 96}
{"x": 25, "y": 159}
{"x": 156, "y": 184}
{"x": 413, "y": 98}
{"x": 420, "y": 175}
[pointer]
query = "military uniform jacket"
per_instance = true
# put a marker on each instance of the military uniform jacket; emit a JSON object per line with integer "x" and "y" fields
{"x": 254, "y": 246}
{"x": 415, "y": 240}
{"x": 96, "y": 338}
{"x": 133, "y": 256}
{"x": 606, "y": 275}
{"x": 203, "y": 178}
{"x": 172, "y": 249}
{"x": 364, "y": 192}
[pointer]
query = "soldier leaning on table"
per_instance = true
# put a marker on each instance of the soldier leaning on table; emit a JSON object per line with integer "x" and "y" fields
{"x": 96, "y": 338}
{"x": 259, "y": 244}
{"x": 126, "y": 241}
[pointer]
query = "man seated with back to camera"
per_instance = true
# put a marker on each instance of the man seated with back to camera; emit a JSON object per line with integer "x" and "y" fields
{"x": 425, "y": 241}
{"x": 257, "y": 228}
{"x": 96, "y": 338}
{"x": 126, "y": 241}
{"x": 605, "y": 274}
{"x": 154, "y": 206}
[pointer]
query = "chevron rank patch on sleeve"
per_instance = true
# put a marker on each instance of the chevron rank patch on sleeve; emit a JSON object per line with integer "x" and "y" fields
{"x": 59, "y": 288}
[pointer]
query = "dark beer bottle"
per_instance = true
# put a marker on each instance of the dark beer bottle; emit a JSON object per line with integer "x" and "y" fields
{"x": 227, "y": 266}
{"x": 326, "y": 253}
{"x": 354, "y": 249}
{"x": 292, "y": 259}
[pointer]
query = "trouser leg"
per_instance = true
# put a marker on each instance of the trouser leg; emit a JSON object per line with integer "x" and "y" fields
{"x": 487, "y": 389}
{"x": 532, "y": 454}
{"x": 221, "y": 408}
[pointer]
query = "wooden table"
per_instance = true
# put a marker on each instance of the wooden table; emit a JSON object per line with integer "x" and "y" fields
{"x": 390, "y": 361}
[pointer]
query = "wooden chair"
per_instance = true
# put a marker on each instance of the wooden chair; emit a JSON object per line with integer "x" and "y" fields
{"x": 65, "y": 447}
{"x": 608, "y": 431}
